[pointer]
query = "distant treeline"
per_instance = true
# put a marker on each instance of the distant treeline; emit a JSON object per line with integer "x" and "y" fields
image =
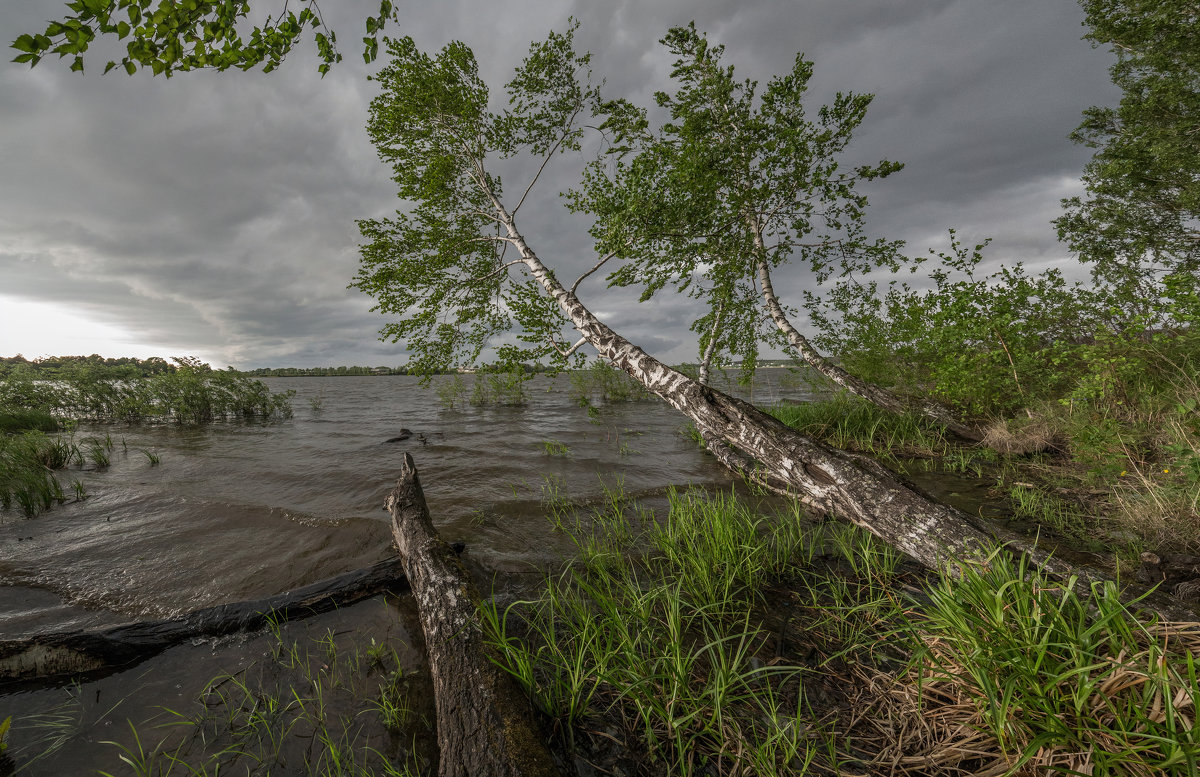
{"x": 67, "y": 367}
{"x": 322, "y": 372}
{"x": 53, "y": 367}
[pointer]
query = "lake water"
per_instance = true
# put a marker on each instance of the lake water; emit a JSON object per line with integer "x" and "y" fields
{"x": 238, "y": 511}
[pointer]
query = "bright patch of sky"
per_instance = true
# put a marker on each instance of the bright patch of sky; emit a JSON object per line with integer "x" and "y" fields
{"x": 36, "y": 329}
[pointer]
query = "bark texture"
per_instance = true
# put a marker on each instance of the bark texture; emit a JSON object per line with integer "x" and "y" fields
{"x": 61, "y": 654}
{"x": 485, "y": 727}
{"x": 762, "y": 448}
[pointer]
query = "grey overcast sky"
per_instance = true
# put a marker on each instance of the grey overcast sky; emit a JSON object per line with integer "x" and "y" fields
{"x": 213, "y": 214}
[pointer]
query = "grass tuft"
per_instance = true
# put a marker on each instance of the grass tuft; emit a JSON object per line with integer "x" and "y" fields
{"x": 1014, "y": 673}
{"x": 850, "y": 423}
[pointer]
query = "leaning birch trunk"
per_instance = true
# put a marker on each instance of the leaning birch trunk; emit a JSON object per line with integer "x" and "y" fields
{"x": 485, "y": 727}
{"x": 875, "y": 394}
{"x": 764, "y": 449}
{"x": 711, "y": 348}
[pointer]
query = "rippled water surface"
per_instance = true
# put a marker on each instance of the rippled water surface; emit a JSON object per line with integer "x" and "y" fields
{"x": 242, "y": 511}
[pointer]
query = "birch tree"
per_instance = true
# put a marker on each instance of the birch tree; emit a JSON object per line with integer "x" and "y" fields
{"x": 170, "y": 36}
{"x": 730, "y": 187}
{"x": 1139, "y": 221}
{"x": 453, "y": 269}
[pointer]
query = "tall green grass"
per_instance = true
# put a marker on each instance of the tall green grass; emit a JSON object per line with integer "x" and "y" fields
{"x": 1017, "y": 674}
{"x": 27, "y": 420}
{"x": 1000, "y": 671}
{"x": 27, "y": 464}
{"x": 850, "y": 423}
{"x": 670, "y": 642}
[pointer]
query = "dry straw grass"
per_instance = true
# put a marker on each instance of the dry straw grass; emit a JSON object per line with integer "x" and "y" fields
{"x": 1014, "y": 676}
{"x": 1016, "y": 438}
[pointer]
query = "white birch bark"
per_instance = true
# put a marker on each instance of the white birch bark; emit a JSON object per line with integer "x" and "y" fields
{"x": 868, "y": 391}
{"x": 762, "y": 448}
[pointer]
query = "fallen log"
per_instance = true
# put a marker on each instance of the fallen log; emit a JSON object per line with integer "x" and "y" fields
{"x": 99, "y": 652}
{"x": 485, "y": 727}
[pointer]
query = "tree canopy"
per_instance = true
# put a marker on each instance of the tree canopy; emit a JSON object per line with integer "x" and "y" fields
{"x": 169, "y": 36}
{"x": 728, "y": 185}
{"x": 442, "y": 266}
{"x": 1139, "y": 222}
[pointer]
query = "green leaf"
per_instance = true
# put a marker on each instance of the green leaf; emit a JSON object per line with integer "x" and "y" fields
{"x": 130, "y": 68}
{"x": 25, "y": 43}
{"x": 77, "y": 65}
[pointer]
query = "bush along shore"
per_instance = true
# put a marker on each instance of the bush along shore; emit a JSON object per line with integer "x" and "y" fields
{"x": 33, "y": 409}
{"x": 190, "y": 393}
{"x": 1119, "y": 477}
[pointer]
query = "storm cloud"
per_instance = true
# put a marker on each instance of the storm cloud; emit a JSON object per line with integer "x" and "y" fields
{"x": 214, "y": 213}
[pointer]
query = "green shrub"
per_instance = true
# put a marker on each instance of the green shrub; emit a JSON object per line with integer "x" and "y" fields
{"x": 192, "y": 393}
{"x": 27, "y": 420}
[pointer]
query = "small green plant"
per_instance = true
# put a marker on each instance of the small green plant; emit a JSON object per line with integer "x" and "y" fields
{"x": 151, "y": 457}
{"x": 556, "y": 448}
{"x": 98, "y": 455}
{"x": 1034, "y": 504}
{"x": 392, "y": 702}
{"x": 317, "y": 403}
{"x": 328, "y": 646}
{"x": 554, "y": 499}
{"x": 141, "y": 762}
{"x": 499, "y": 386}
{"x": 450, "y": 391}
{"x": 44, "y": 734}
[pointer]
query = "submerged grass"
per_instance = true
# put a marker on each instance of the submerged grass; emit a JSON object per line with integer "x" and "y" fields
{"x": 601, "y": 383}
{"x": 324, "y": 706}
{"x": 27, "y": 464}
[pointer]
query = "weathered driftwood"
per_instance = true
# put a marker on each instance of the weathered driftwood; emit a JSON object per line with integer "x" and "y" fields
{"x": 98, "y": 652}
{"x": 485, "y": 727}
